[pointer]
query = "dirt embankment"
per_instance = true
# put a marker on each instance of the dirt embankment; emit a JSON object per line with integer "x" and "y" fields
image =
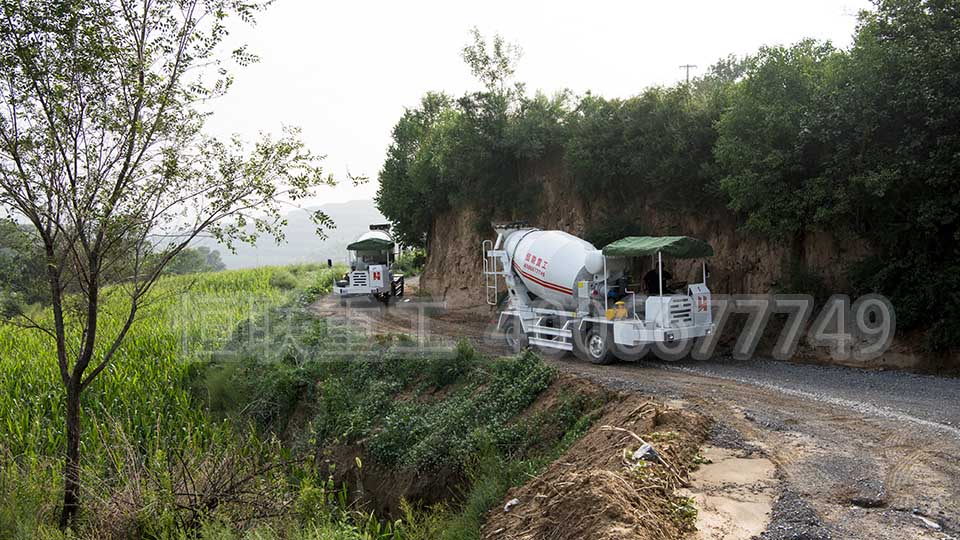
{"x": 606, "y": 487}
{"x": 744, "y": 263}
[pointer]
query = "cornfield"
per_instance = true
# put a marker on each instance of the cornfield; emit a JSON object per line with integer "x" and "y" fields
{"x": 144, "y": 396}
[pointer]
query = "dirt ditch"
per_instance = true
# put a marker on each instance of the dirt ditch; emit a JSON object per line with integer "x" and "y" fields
{"x": 382, "y": 488}
{"x": 605, "y": 485}
{"x": 601, "y": 487}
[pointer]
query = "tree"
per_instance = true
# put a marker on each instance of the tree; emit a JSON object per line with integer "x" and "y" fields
{"x": 493, "y": 64}
{"x": 408, "y": 194}
{"x": 895, "y": 156}
{"x": 765, "y": 147}
{"x": 21, "y": 268}
{"x": 195, "y": 260}
{"x": 446, "y": 153}
{"x": 656, "y": 146}
{"x": 102, "y": 153}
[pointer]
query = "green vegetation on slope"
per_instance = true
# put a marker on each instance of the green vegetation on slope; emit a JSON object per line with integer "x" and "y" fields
{"x": 793, "y": 139}
{"x": 223, "y": 417}
{"x": 453, "y": 421}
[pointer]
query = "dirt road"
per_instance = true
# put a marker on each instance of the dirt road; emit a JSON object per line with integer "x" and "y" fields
{"x": 858, "y": 454}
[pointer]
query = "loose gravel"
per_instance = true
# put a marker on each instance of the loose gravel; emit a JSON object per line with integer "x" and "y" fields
{"x": 793, "y": 519}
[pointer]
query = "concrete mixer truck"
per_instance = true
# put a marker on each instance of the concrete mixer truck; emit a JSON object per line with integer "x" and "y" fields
{"x": 371, "y": 268}
{"x": 563, "y": 293}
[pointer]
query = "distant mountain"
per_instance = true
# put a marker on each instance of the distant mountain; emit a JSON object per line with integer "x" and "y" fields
{"x": 302, "y": 244}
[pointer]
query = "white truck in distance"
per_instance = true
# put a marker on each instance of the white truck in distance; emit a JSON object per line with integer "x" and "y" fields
{"x": 371, "y": 268}
{"x": 564, "y": 293}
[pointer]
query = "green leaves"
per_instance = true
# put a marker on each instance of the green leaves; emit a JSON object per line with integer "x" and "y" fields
{"x": 656, "y": 145}
{"x": 765, "y": 147}
{"x": 22, "y": 268}
{"x": 492, "y": 64}
{"x": 447, "y": 153}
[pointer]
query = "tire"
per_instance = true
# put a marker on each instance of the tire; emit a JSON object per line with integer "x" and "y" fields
{"x": 513, "y": 336}
{"x": 593, "y": 345}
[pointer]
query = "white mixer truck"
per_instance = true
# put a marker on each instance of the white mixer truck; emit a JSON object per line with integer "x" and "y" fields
{"x": 371, "y": 268}
{"x": 564, "y": 293}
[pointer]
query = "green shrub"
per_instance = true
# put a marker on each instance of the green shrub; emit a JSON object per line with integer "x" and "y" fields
{"x": 410, "y": 263}
{"x": 282, "y": 279}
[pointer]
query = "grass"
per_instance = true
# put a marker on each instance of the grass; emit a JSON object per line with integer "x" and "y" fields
{"x": 223, "y": 366}
{"x": 143, "y": 397}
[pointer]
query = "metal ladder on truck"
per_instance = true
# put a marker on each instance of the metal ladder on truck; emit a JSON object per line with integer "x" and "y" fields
{"x": 494, "y": 267}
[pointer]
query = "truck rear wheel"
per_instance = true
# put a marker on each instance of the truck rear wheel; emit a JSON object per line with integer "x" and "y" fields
{"x": 513, "y": 335}
{"x": 593, "y": 345}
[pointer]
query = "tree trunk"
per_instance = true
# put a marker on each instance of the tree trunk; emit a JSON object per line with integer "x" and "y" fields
{"x": 71, "y": 467}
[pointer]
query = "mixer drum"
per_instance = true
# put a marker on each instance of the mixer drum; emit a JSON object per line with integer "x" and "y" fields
{"x": 550, "y": 263}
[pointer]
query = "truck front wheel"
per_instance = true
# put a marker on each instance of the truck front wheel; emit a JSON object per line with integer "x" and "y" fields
{"x": 593, "y": 345}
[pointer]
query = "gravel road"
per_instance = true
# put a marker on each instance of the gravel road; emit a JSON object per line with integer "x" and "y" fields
{"x": 924, "y": 400}
{"x": 871, "y": 455}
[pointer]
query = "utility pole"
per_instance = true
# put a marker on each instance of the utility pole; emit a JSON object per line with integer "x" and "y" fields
{"x": 688, "y": 67}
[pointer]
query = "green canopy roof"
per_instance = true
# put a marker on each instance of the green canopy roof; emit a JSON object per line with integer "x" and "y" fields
{"x": 371, "y": 244}
{"x": 680, "y": 247}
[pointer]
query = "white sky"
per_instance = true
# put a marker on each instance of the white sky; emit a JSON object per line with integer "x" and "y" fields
{"x": 345, "y": 71}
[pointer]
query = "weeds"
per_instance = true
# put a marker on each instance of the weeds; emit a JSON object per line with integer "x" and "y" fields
{"x": 685, "y": 512}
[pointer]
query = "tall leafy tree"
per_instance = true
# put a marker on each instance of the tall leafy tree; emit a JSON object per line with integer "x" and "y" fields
{"x": 408, "y": 194}
{"x": 894, "y": 172}
{"x": 102, "y": 153}
{"x": 765, "y": 147}
{"x": 448, "y": 153}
